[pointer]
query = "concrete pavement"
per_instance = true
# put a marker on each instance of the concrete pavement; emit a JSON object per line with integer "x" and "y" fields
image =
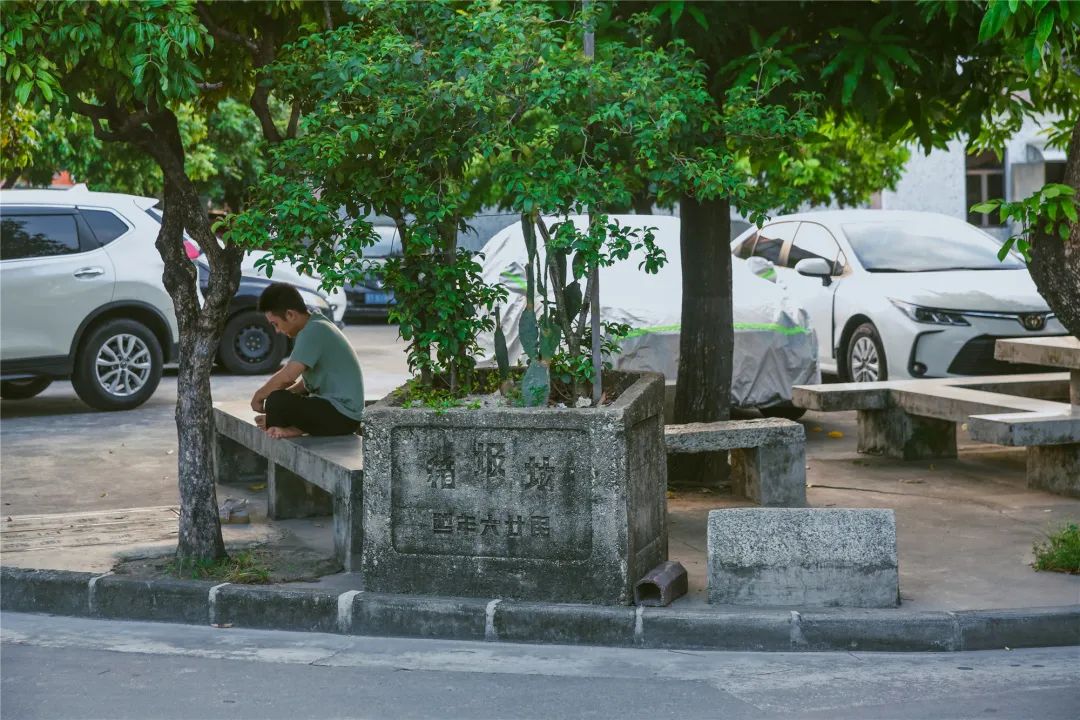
{"x": 56, "y": 667}
{"x": 81, "y": 486}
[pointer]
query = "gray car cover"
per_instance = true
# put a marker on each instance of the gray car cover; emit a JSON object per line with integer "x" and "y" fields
{"x": 775, "y": 347}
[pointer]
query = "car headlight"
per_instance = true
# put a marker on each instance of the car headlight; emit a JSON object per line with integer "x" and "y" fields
{"x": 314, "y": 301}
{"x": 930, "y": 316}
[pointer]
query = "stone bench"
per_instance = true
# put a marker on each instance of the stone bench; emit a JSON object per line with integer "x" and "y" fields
{"x": 810, "y": 557}
{"x": 768, "y": 456}
{"x": 305, "y": 476}
{"x": 916, "y": 419}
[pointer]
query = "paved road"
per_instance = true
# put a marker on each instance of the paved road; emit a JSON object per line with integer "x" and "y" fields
{"x": 55, "y": 667}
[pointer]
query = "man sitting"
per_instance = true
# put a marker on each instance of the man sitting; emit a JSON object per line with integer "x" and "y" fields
{"x": 320, "y": 391}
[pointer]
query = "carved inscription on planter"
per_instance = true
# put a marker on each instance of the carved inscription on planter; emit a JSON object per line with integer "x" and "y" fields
{"x": 491, "y": 492}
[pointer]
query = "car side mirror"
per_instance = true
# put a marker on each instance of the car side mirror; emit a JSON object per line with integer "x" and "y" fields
{"x": 815, "y": 267}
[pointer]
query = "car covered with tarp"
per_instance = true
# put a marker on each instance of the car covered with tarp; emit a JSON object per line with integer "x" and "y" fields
{"x": 775, "y": 346}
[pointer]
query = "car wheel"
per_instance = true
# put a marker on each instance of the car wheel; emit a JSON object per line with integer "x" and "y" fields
{"x": 866, "y": 356}
{"x": 788, "y": 412}
{"x": 23, "y": 389}
{"x": 118, "y": 366}
{"x": 250, "y": 345}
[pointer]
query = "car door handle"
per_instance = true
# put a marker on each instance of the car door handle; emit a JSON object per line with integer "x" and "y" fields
{"x": 89, "y": 272}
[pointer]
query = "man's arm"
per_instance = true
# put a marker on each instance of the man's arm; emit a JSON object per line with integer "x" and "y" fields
{"x": 299, "y": 388}
{"x": 283, "y": 379}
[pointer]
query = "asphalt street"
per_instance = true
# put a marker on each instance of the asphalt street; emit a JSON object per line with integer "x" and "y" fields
{"x": 57, "y": 667}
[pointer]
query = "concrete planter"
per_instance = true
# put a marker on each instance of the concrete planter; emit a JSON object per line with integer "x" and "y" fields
{"x": 547, "y": 504}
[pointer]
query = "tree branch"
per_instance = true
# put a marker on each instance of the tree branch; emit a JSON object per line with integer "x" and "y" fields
{"x": 328, "y": 22}
{"x": 294, "y": 121}
{"x": 210, "y": 86}
{"x": 221, "y": 33}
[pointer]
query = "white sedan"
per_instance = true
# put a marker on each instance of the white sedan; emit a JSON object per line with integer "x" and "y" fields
{"x": 896, "y": 295}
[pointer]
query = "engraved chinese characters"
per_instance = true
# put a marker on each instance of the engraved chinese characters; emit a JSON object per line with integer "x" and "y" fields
{"x": 490, "y": 492}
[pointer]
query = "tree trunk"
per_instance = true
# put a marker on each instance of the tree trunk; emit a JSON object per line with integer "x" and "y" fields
{"x": 1055, "y": 264}
{"x": 703, "y": 391}
{"x": 200, "y": 332}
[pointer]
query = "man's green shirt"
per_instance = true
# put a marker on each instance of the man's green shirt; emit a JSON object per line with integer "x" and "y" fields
{"x": 333, "y": 370}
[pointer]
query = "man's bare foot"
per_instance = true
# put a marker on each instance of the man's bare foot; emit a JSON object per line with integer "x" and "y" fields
{"x": 260, "y": 421}
{"x": 279, "y": 433}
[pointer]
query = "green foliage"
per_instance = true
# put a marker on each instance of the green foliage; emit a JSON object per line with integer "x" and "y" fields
{"x": 442, "y": 306}
{"x": 399, "y": 104}
{"x": 244, "y": 568}
{"x": 637, "y": 118}
{"x": 1060, "y": 552}
{"x": 1047, "y": 212}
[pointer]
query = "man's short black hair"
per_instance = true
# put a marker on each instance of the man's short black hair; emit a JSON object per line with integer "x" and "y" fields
{"x": 279, "y": 298}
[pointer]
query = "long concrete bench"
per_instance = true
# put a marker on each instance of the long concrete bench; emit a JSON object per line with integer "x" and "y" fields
{"x": 916, "y": 419}
{"x": 305, "y": 476}
{"x": 768, "y": 456}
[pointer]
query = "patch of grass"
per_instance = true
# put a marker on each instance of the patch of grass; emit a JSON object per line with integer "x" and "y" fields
{"x": 1060, "y": 552}
{"x": 244, "y": 568}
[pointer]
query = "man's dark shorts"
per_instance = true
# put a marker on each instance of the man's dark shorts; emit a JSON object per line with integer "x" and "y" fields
{"x": 313, "y": 415}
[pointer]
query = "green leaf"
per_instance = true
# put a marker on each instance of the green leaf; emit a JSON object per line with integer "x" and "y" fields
{"x": 528, "y": 333}
{"x": 985, "y": 207}
{"x": 536, "y": 385}
{"x": 1044, "y": 26}
{"x": 1003, "y": 252}
{"x": 699, "y": 17}
{"x": 502, "y": 355}
{"x": 572, "y": 295}
{"x": 550, "y": 335}
{"x": 1070, "y": 211}
{"x": 997, "y": 13}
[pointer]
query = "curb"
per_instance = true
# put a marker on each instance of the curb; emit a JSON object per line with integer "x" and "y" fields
{"x": 61, "y": 592}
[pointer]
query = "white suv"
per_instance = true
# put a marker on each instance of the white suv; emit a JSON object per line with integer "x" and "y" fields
{"x": 82, "y": 296}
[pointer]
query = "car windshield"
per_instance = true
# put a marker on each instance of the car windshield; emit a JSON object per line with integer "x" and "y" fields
{"x": 926, "y": 246}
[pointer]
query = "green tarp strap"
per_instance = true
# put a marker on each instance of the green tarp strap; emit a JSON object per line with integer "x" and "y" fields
{"x": 519, "y": 282}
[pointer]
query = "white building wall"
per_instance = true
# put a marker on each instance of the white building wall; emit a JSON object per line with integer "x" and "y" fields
{"x": 931, "y": 183}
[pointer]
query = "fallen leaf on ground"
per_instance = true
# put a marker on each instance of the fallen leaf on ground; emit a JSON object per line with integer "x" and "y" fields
{"x": 836, "y": 434}
{"x": 103, "y": 494}
{"x": 257, "y": 487}
{"x": 815, "y": 429}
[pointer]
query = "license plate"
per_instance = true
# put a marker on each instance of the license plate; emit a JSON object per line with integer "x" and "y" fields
{"x": 372, "y": 298}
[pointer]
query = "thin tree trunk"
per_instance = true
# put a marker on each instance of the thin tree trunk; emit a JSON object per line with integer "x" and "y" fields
{"x": 200, "y": 332}
{"x": 1055, "y": 263}
{"x": 703, "y": 390}
{"x": 10, "y": 180}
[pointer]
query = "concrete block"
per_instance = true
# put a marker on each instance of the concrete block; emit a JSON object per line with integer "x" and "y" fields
{"x": 128, "y": 598}
{"x": 773, "y": 475}
{"x": 564, "y": 624}
{"x": 1030, "y": 627}
{"x": 291, "y": 496}
{"x": 743, "y": 631}
{"x": 896, "y": 434}
{"x": 815, "y": 557}
{"x": 731, "y": 435}
{"x": 877, "y": 631}
{"x": 56, "y": 592}
{"x": 235, "y": 464}
{"x": 276, "y": 608}
{"x": 524, "y": 503}
{"x": 419, "y": 616}
{"x": 348, "y": 521}
{"x": 1054, "y": 468}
